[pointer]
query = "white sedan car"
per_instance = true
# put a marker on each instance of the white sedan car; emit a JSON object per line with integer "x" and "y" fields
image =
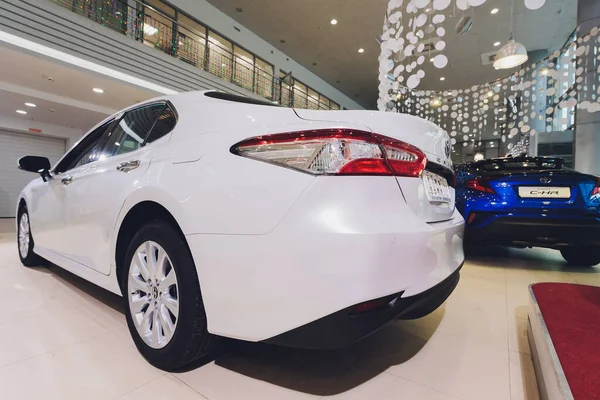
{"x": 216, "y": 215}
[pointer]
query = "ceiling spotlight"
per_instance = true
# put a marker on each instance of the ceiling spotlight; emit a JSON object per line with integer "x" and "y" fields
{"x": 98, "y": 90}
{"x": 22, "y": 112}
{"x": 361, "y": 50}
{"x": 496, "y": 44}
{"x": 431, "y": 60}
{"x": 494, "y": 11}
{"x": 239, "y": 9}
{"x": 30, "y": 105}
{"x": 334, "y": 22}
{"x": 545, "y": 71}
{"x": 442, "y": 78}
{"x": 490, "y": 93}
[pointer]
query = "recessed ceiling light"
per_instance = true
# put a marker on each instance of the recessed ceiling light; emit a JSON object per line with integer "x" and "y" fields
{"x": 496, "y": 44}
{"x": 239, "y": 9}
{"x": 21, "y": 112}
{"x": 494, "y": 11}
{"x": 361, "y": 50}
{"x": 30, "y": 104}
{"x": 334, "y": 22}
{"x": 442, "y": 78}
{"x": 98, "y": 90}
{"x": 431, "y": 60}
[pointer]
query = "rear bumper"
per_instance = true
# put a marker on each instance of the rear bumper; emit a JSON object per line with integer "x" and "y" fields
{"x": 539, "y": 232}
{"x": 346, "y": 326}
{"x": 344, "y": 242}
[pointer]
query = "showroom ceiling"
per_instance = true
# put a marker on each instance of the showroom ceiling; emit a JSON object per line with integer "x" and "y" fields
{"x": 48, "y": 112}
{"x": 331, "y": 51}
{"x": 63, "y": 95}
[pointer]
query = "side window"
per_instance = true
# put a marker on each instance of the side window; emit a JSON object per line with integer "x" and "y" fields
{"x": 87, "y": 150}
{"x": 132, "y": 129}
{"x": 164, "y": 125}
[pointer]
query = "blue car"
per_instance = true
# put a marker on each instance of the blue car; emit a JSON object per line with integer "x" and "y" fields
{"x": 531, "y": 201}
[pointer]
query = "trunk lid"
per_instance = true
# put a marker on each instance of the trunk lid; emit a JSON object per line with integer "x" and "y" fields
{"x": 551, "y": 192}
{"x": 431, "y": 196}
{"x": 425, "y": 135}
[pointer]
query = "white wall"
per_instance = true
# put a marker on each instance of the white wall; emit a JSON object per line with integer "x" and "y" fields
{"x": 223, "y": 24}
{"x": 23, "y": 125}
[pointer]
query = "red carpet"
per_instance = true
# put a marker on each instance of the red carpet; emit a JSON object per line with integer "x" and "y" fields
{"x": 572, "y": 315}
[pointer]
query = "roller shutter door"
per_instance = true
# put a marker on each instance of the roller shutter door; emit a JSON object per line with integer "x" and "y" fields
{"x": 12, "y": 180}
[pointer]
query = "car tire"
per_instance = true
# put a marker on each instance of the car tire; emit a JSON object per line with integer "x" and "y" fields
{"x": 25, "y": 240}
{"x": 166, "y": 318}
{"x": 581, "y": 256}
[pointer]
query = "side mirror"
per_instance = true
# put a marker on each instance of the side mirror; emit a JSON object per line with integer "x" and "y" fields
{"x": 40, "y": 165}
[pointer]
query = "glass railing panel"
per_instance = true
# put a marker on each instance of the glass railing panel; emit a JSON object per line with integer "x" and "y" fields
{"x": 263, "y": 85}
{"x": 109, "y": 14}
{"x": 158, "y": 33}
{"x": 243, "y": 74}
{"x": 286, "y": 96}
{"x": 220, "y": 63}
{"x": 192, "y": 50}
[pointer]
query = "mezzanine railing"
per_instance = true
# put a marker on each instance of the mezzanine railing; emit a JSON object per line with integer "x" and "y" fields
{"x": 150, "y": 26}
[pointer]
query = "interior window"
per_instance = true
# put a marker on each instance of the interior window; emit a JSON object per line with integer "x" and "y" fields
{"x": 87, "y": 150}
{"x": 132, "y": 129}
{"x": 165, "y": 124}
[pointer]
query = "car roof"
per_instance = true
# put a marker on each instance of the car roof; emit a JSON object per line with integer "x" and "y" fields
{"x": 511, "y": 159}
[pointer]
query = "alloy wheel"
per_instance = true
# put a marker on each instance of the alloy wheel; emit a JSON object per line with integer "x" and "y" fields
{"x": 153, "y": 294}
{"x": 24, "y": 235}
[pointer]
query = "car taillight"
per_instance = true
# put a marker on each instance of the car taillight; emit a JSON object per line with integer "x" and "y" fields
{"x": 336, "y": 152}
{"x": 479, "y": 185}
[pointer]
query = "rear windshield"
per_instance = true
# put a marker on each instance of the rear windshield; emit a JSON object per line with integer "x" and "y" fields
{"x": 520, "y": 165}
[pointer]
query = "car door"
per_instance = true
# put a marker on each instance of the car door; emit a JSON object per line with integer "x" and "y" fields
{"x": 96, "y": 194}
{"x": 46, "y": 205}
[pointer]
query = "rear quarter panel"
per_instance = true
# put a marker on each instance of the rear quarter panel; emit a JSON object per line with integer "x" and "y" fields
{"x": 219, "y": 192}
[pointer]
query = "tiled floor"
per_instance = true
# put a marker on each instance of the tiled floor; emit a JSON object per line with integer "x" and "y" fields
{"x": 62, "y": 338}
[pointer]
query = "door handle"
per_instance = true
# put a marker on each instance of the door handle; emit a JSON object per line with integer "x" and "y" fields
{"x": 128, "y": 165}
{"x": 67, "y": 180}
